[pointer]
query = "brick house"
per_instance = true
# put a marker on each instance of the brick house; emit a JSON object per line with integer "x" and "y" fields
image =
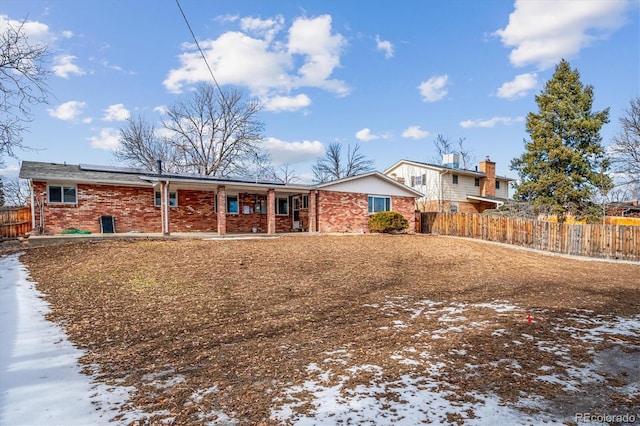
{"x": 450, "y": 188}
{"x": 87, "y": 197}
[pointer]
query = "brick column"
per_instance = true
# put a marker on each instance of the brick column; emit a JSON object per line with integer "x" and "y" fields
{"x": 271, "y": 211}
{"x": 313, "y": 212}
{"x": 222, "y": 210}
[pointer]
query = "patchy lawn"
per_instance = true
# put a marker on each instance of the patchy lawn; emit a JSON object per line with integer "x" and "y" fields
{"x": 348, "y": 329}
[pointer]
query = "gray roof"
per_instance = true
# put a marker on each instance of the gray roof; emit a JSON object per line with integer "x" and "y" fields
{"x": 36, "y": 170}
{"x": 453, "y": 169}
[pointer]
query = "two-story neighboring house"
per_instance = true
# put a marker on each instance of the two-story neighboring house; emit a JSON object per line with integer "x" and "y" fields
{"x": 449, "y": 188}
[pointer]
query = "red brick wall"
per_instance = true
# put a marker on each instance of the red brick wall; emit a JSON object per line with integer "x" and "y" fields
{"x": 348, "y": 212}
{"x": 132, "y": 208}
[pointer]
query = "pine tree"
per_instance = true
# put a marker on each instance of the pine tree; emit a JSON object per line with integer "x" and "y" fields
{"x": 564, "y": 165}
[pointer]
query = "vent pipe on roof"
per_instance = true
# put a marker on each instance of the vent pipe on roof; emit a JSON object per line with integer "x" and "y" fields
{"x": 159, "y": 166}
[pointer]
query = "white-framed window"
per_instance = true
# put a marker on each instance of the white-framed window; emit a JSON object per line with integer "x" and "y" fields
{"x": 455, "y": 179}
{"x": 62, "y": 194}
{"x": 173, "y": 199}
{"x": 282, "y": 206}
{"x": 305, "y": 201}
{"x": 379, "y": 204}
{"x": 232, "y": 204}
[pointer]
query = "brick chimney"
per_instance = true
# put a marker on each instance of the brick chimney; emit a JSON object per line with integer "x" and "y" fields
{"x": 488, "y": 183}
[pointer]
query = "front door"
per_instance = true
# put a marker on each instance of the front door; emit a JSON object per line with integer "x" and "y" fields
{"x": 296, "y": 212}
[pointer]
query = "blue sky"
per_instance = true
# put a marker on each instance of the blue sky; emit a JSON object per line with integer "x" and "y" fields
{"x": 388, "y": 75}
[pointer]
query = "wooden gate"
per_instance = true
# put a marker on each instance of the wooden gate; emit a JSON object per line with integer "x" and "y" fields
{"x": 15, "y": 221}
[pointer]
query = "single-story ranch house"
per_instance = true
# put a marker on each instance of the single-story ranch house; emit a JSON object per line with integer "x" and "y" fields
{"x": 113, "y": 199}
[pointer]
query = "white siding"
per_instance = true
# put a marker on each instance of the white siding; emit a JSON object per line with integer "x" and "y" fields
{"x": 371, "y": 185}
{"x": 430, "y": 187}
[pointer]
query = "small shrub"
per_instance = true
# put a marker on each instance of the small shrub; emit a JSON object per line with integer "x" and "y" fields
{"x": 387, "y": 222}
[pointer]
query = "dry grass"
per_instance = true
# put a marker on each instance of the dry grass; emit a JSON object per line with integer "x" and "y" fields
{"x": 247, "y": 317}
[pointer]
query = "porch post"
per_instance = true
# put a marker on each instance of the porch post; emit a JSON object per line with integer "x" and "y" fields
{"x": 222, "y": 210}
{"x": 271, "y": 211}
{"x": 313, "y": 213}
{"x": 164, "y": 206}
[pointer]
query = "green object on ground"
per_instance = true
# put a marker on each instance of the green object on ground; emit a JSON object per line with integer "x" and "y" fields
{"x": 74, "y": 231}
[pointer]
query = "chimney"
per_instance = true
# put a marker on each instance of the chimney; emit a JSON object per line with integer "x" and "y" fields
{"x": 488, "y": 183}
{"x": 400, "y": 179}
{"x": 159, "y": 162}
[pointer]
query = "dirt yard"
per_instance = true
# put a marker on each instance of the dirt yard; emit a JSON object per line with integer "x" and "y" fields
{"x": 348, "y": 329}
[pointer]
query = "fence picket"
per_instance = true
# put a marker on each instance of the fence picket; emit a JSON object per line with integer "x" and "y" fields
{"x": 603, "y": 241}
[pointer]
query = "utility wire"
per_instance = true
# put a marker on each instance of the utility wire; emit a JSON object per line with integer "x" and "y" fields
{"x": 200, "y": 49}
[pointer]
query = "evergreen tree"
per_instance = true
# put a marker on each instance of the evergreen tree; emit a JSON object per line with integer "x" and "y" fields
{"x": 564, "y": 165}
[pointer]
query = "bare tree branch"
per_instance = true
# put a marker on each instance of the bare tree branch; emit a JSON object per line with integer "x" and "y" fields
{"x": 216, "y": 135}
{"x": 331, "y": 166}
{"x": 625, "y": 151}
{"x": 22, "y": 85}
{"x": 13, "y": 192}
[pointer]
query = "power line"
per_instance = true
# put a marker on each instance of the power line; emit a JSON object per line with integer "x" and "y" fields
{"x": 200, "y": 49}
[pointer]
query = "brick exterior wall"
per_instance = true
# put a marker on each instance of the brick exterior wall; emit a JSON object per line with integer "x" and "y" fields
{"x": 463, "y": 207}
{"x": 348, "y": 212}
{"x": 134, "y": 210}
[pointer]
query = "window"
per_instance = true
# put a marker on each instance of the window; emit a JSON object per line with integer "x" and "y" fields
{"x": 497, "y": 184}
{"x": 455, "y": 179}
{"x": 62, "y": 194}
{"x": 232, "y": 204}
{"x": 282, "y": 206}
{"x": 379, "y": 204}
{"x": 477, "y": 182}
{"x": 173, "y": 199}
{"x": 453, "y": 208}
{"x": 305, "y": 201}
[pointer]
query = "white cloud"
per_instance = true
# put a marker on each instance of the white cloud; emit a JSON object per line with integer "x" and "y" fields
{"x": 64, "y": 66}
{"x": 68, "y": 110}
{"x": 543, "y": 32}
{"x": 36, "y": 32}
{"x": 434, "y": 89}
{"x": 385, "y": 46}
{"x": 107, "y": 140}
{"x": 415, "y": 132}
{"x": 269, "y": 66}
{"x": 266, "y": 28}
{"x": 116, "y": 112}
{"x": 366, "y": 135}
{"x": 507, "y": 121}
{"x": 287, "y": 103}
{"x": 161, "y": 109}
{"x": 11, "y": 171}
{"x": 519, "y": 87}
{"x": 293, "y": 152}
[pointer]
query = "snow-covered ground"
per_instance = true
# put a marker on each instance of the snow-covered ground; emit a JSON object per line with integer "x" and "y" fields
{"x": 41, "y": 382}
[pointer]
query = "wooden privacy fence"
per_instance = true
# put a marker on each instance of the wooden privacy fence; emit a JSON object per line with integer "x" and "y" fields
{"x": 603, "y": 241}
{"x": 15, "y": 221}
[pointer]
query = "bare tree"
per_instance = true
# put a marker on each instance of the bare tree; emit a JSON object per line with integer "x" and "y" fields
{"x": 214, "y": 133}
{"x": 13, "y": 192}
{"x": 332, "y": 166}
{"x": 625, "y": 151}
{"x": 140, "y": 146}
{"x": 22, "y": 85}
{"x": 287, "y": 174}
